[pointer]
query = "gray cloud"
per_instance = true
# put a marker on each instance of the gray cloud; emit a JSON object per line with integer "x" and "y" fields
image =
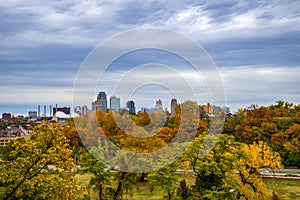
{"x": 44, "y": 42}
{"x": 262, "y": 85}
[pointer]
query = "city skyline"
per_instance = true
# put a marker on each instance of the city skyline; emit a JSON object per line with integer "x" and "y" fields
{"x": 158, "y": 104}
{"x": 49, "y": 110}
{"x": 255, "y": 46}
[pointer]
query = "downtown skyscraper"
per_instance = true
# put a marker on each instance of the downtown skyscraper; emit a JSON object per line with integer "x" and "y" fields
{"x": 114, "y": 103}
{"x": 100, "y": 103}
{"x": 131, "y": 106}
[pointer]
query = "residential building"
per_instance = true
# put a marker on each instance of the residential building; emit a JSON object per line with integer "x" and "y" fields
{"x": 6, "y": 116}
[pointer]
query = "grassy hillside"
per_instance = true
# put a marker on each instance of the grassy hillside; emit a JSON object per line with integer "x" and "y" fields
{"x": 284, "y": 189}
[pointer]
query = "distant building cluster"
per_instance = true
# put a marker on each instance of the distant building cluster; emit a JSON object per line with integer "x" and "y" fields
{"x": 20, "y": 126}
{"x": 56, "y": 114}
{"x": 61, "y": 114}
{"x": 14, "y": 127}
{"x": 114, "y": 104}
{"x": 10, "y": 130}
{"x": 158, "y": 107}
{"x": 102, "y": 103}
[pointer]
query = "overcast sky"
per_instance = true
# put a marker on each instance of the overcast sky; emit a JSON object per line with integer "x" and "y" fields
{"x": 254, "y": 44}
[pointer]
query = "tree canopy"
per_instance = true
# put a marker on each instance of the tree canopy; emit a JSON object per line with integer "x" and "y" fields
{"x": 39, "y": 167}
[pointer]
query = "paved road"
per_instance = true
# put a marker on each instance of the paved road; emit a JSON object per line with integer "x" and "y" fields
{"x": 283, "y": 170}
{"x": 266, "y": 173}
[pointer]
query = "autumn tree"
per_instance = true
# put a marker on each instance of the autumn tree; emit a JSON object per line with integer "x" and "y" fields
{"x": 273, "y": 124}
{"x": 298, "y": 117}
{"x": 254, "y": 157}
{"x": 70, "y": 132}
{"x": 228, "y": 166}
{"x": 144, "y": 119}
{"x": 292, "y": 144}
{"x": 39, "y": 167}
{"x": 294, "y": 152}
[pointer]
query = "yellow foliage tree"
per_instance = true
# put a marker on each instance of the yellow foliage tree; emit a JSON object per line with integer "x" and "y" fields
{"x": 39, "y": 167}
{"x": 249, "y": 166}
{"x": 260, "y": 155}
{"x": 231, "y": 169}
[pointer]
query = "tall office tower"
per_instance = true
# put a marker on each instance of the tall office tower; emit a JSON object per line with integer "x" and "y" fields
{"x": 131, "y": 106}
{"x": 114, "y": 103}
{"x": 173, "y": 106}
{"x": 84, "y": 109}
{"x": 159, "y": 106}
{"x": 100, "y": 103}
{"x": 103, "y": 100}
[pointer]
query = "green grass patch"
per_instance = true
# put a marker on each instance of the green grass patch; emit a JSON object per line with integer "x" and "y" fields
{"x": 284, "y": 189}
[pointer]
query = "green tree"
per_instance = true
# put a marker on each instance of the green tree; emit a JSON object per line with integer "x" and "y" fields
{"x": 164, "y": 179}
{"x": 211, "y": 167}
{"x": 39, "y": 167}
{"x": 100, "y": 180}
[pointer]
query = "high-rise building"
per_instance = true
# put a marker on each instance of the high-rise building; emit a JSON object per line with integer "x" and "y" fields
{"x": 173, "y": 106}
{"x": 100, "y": 103}
{"x": 159, "y": 106}
{"x": 103, "y": 100}
{"x": 78, "y": 110}
{"x": 208, "y": 109}
{"x": 84, "y": 109}
{"x": 114, "y": 103}
{"x": 131, "y": 106}
{"x": 96, "y": 105}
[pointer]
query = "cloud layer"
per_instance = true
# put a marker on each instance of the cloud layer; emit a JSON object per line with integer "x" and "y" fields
{"x": 255, "y": 44}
